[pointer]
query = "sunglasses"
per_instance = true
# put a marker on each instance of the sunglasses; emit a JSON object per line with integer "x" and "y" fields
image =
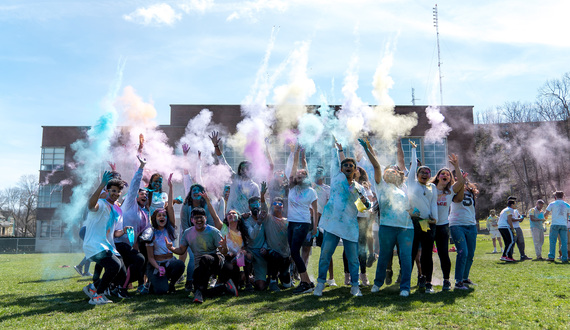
{"x": 348, "y": 165}
{"x": 277, "y": 203}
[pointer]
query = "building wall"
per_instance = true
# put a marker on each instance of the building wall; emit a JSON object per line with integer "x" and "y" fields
{"x": 459, "y": 141}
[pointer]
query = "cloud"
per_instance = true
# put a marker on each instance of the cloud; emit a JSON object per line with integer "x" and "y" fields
{"x": 250, "y": 9}
{"x": 158, "y": 14}
{"x": 200, "y": 6}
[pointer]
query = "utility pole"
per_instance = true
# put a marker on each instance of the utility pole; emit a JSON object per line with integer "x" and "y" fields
{"x": 414, "y": 97}
{"x": 436, "y": 24}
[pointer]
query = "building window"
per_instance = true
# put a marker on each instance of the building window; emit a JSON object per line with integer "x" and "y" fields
{"x": 50, "y": 196}
{"x": 53, "y": 158}
{"x": 433, "y": 155}
{"x": 51, "y": 228}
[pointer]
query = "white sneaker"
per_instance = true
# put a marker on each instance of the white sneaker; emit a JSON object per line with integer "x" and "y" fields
{"x": 364, "y": 279}
{"x": 375, "y": 288}
{"x": 404, "y": 293}
{"x": 355, "y": 291}
{"x": 319, "y": 289}
{"x": 346, "y": 278}
{"x": 331, "y": 282}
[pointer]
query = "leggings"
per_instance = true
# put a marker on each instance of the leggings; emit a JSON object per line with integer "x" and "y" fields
{"x": 208, "y": 265}
{"x": 115, "y": 271}
{"x": 426, "y": 239}
{"x": 442, "y": 243}
{"x": 296, "y": 234}
{"x": 509, "y": 242}
{"x": 363, "y": 225}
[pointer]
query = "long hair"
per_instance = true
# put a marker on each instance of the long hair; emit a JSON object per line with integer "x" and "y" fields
{"x": 169, "y": 228}
{"x": 447, "y": 188}
{"x": 241, "y": 166}
{"x": 190, "y": 201}
{"x": 363, "y": 178}
{"x": 149, "y": 187}
{"x": 471, "y": 186}
{"x": 240, "y": 225}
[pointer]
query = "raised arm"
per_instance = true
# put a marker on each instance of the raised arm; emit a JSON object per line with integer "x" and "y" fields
{"x": 295, "y": 161}
{"x": 414, "y": 166}
{"x": 221, "y": 159}
{"x": 217, "y": 222}
{"x": 400, "y": 154}
{"x": 133, "y": 192}
{"x": 458, "y": 185}
{"x": 268, "y": 155}
{"x": 372, "y": 158}
{"x": 170, "y": 204}
{"x": 92, "y": 205}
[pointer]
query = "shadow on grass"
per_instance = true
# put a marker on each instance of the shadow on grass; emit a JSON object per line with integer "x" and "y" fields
{"x": 49, "y": 280}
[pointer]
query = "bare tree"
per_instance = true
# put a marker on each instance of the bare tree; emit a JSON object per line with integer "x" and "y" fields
{"x": 20, "y": 203}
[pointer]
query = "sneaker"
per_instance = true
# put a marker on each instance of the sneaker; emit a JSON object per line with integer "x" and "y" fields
{"x": 122, "y": 293}
{"x": 355, "y": 291}
{"x": 422, "y": 282}
{"x": 370, "y": 260}
{"x": 364, "y": 279}
{"x": 331, "y": 282}
{"x": 429, "y": 288}
{"x": 303, "y": 287}
{"x": 399, "y": 279}
{"x": 273, "y": 286}
{"x": 494, "y": 251}
{"x": 460, "y": 286}
{"x": 446, "y": 285}
{"x": 87, "y": 273}
{"x": 90, "y": 290}
{"x": 78, "y": 270}
{"x": 453, "y": 249}
{"x": 231, "y": 287}
{"x": 503, "y": 258}
{"x": 539, "y": 258}
{"x": 389, "y": 275}
{"x": 290, "y": 284}
{"x": 319, "y": 289}
{"x": 523, "y": 258}
{"x": 212, "y": 282}
{"x": 249, "y": 287}
{"x": 188, "y": 286}
{"x": 346, "y": 278}
{"x": 110, "y": 292}
{"x": 143, "y": 288}
{"x": 550, "y": 259}
{"x": 468, "y": 282}
{"x": 375, "y": 288}
{"x": 404, "y": 293}
{"x": 510, "y": 259}
{"x": 99, "y": 299}
{"x": 198, "y": 297}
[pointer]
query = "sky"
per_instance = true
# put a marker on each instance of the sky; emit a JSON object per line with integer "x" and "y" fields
{"x": 59, "y": 59}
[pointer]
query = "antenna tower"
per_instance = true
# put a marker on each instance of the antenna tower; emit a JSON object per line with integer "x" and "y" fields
{"x": 436, "y": 24}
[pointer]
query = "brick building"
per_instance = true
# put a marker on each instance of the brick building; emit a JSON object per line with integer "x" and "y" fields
{"x": 56, "y": 153}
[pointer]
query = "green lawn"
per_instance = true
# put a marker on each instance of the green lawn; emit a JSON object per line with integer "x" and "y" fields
{"x": 36, "y": 292}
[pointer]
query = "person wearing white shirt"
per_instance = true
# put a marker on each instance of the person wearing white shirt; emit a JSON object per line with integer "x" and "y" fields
{"x": 560, "y": 211}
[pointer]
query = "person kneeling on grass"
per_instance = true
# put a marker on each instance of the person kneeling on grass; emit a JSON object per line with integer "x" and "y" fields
{"x": 209, "y": 248}
{"x": 162, "y": 266}
{"x": 99, "y": 247}
{"x": 278, "y": 253}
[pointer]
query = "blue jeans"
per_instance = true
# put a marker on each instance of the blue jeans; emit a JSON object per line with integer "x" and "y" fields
{"x": 388, "y": 237}
{"x": 465, "y": 238}
{"x": 330, "y": 242}
{"x": 556, "y": 230}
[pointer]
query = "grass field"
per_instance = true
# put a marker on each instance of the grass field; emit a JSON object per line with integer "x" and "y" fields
{"x": 38, "y": 292}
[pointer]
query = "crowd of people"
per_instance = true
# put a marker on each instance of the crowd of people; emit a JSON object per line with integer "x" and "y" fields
{"x": 258, "y": 235}
{"x": 507, "y": 226}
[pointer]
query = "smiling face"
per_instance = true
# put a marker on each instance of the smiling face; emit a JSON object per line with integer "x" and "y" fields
{"x": 348, "y": 168}
{"x": 142, "y": 197}
{"x": 199, "y": 222}
{"x": 196, "y": 191}
{"x": 424, "y": 175}
{"x": 113, "y": 194}
{"x": 277, "y": 207}
{"x": 161, "y": 219}
{"x": 156, "y": 182}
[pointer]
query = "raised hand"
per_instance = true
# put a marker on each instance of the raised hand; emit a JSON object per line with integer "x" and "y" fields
{"x": 205, "y": 196}
{"x": 107, "y": 176}
{"x": 141, "y": 142}
{"x": 263, "y": 188}
{"x": 215, "y": 138}
{"x": 142, "y": 161}
{"x": 185, "y": 149}
{"x": 413, "y": 144}
{"x": 168, "y": 244}
{"x": 453, "y": 160}
{"x": 113, "y": 166}
{"x": 363, "y": 144}
{"x": 224, "y": 243}
{"x": 170, "y": 180}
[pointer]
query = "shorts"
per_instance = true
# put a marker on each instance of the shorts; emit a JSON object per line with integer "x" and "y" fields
{"x": 495, "y": 233}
